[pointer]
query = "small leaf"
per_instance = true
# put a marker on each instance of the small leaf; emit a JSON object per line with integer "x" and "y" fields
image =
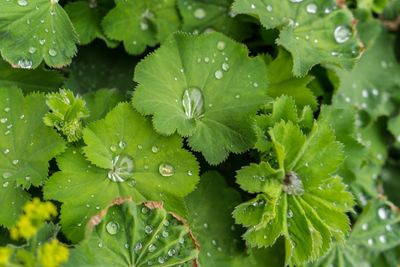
{"x": 25, "y": 154}
{"x": 129, "y": 234}
{"x": 140, "y": 24}
{"x": 33, "y": 31}
{"x": 313, "y": 32}
{"x": 202, "y": 90}
{"x": 125, "y": 157}
{"x": 200, "y": 16}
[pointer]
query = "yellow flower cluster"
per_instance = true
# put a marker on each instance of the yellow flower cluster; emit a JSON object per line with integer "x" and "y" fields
{"x": 53, "y": 254}
{"x": 35, "y": 214}
{"x": 5, "y": 254}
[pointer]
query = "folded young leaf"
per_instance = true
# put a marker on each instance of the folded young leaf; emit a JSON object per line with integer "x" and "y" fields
{"x": 32, "y": 31}
{"x": 128, "y": 234}
{"x": 313, "y": 32}
{"x": 25, "y": 154}
{"x": 124, "y": 157}
{"x": 141, "y": 23}
{"x": 298, "y": 198}
{"x": 200, "y": 87}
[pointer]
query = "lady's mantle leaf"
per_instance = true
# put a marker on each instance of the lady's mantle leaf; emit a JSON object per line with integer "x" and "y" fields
{"x": 313, "y": 31}
{"x": 129, "y": 234}
{"x": 24, "y": 153}
{"x": 35, "y": 30}
{"x": 300, "y": 199}
{"x": 200, "y": 86}
{"x": 210, "y": 208}
{"x": 125, "y": 158}
{"x": 141, "y": 23}
{"x": 206, "y": 16}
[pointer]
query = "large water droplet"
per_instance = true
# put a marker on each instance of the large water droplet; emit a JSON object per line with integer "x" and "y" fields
{"x": 112, "y": 227}
{"x": 25, "y": 64}
{"x": 22, "y": 2}
{"x": 199, "y": 13}
{"x": 122, "y": 169}
{"x": 311, "y": 8}
{"x": 52, "y": 52}
{"x": 193, "y": 103}
{"x": 342, "y": 34}
{"x": 166, "y": 169}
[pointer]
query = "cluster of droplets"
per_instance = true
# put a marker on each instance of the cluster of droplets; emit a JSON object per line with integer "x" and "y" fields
{"x": 147, "y": 16}
{"x": 383, "y": 215}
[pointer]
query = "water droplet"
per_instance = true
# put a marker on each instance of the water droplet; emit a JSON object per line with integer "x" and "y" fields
{"x": 171, "y": 252}
{"x": 221, "y": 45}
{"x": 255, "y": 84}
{"x": 364, "y": 226}
{"x": 22, "y": 2}
{"x": 145, "y": 210}
{"x": 375, "y": 92}
{"x": 365, "y": 93}
{"x": 370, "y": 241}
{"x": 237, "y": 96}
{"x": 382, "y": 213}
{"x": 382, "y": 239}
{"x": 25, "y": 64}
{"x": 155, "y": 149}
{"x": 190, "y": 173}
{"x": 152, "y": 248}
{"x": 144, "y": 26}
{"x": 199, "y": 13}
{"x": 122, "y": 169}
{"x": 6, "y": 175}
{"x": 122, "y": 144}
{"x": 161, "y": 260}
{"x": 5, "y": 184}
{"x": 311, "y": 8}
{"x": 138, "y": 246}
{"x": 205, "y": 225}
{"x": 100, "y": 245}
{"x": 193, "y": 103}
{"x": 3, "y": 120}
{"x": 166, "y": 169}
{"x": 15, "y": 161}
{"x": 148, "y": 229}
{"x": 218, "y": 75}
{"x": 52, "y": 52}
{"x": 32, "y": 50}
{"x": 388, "y": 227}
{"x": 296, "y": 1}
{"x": 342, "y": 34}
{"x": 42, "y": 41}
{"x": 6, "y": 151}
{"x": 253, "y": 6}
{"x": 112, "y": 227}
{"x": 269, "y": 8}
{"x": 27, "y": 177}
{"x": 290, "y": 214}
{"x": 165, "y": 234}
{"x": 132, "y": 182}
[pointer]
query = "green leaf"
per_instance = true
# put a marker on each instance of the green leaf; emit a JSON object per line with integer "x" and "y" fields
{"x": 394, "y": 128}
{"x": 129, "y": 234}
{"x": 39, "y": 79}
{"x": 24, "y": 153}
{"x": 66, "y": 114}
{"x": 302, "y": 200}
{"x": 86, "y": 17}
{"x": 211, "y": 221}
{"x": 33, "y": 31}
{"x": 369, "y": 85}
{"x": 207, "y": 16}
{"x": 202, "y": 90}
{"x": 98, "y": 67}
{"x": 141, "y": 23}
{"x": 101, "y": 102}
{"x": 125, "y": 157}
{"x": 312, "y": 32}
{"x": 282, "y": 81}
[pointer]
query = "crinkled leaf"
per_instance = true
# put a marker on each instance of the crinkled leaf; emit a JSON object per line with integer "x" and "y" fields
{"x": 201, "y": 87}
{"x": 39, "y": 79}
{"x": 130, "y": 234}
{"x": 97, "y": 67}
{"x": 125, "y": 157}
{"x": 86, "y": 17}
{"x": 24, "y": 153}
{"x": 101, "y": 102}
{"x": 369, "y": 85}
{"x": 141, "y": 23}
{"x": 212, "y": 15}
{"x": 32, "y": 31}
{"x": 301, "y": 200}
{"x": 282, "y": 81}
{"x": 210, "y": 208}
{"x": 313, "y": 32}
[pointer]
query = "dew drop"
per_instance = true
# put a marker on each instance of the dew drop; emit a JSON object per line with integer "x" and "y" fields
{"x": 290, "y": 214}
{"x": 388, "y": 227}
{"x": 3, "y": 120}
{"x": 193, "y": 103}
{"x": 218, "y": 74}
{"x": 199, "y": 13}
{"x": 32, "y": 50}
{"x": 365, "y": 93}
{"x": 155, "y": 149}
{"x": 225, "y": 66}
{"x": 190, "y": 173}
{"x": 42, "y": 41}
{"x": 25, "y": 64}
{"x": 165, "y": 234}
{"x": 112, "y": 227}
{"x": 152, "y": 248}
{"x": 161, "y": 260}
{"x": 221, "y": 45}
{"x": 370, "y": 241}
{"x": 145, "y": 210}
{"x": 15, "y": 161}
{"x": 205, "y": 225}
{"x": 382, "y": 239}
{"x": 342, "y": 34}
{"x": 52, "y": 52}
{"x": 22, "y": 2}
{"x": 364, "y": 226}
{"x": 166, "y": 169}
{"x": 382, "y": 213}
{"x": 171, "y": 252}
{"x": 138, "y": 246}
{"x": 144, "y": 26}
{"x": 296, "y": 1}
{"x": 269, "y": 8}
{"x": 6, "y": 151}
{"x": 253, "y": 6}
{"x": 122, "y": 144}
{"x": 122, "y": 169}
{"x": 148, "y": 229}
{"x": 311, "y": 8}
{"x": 6, "y": 175}
{"x": 5, "y": 184}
